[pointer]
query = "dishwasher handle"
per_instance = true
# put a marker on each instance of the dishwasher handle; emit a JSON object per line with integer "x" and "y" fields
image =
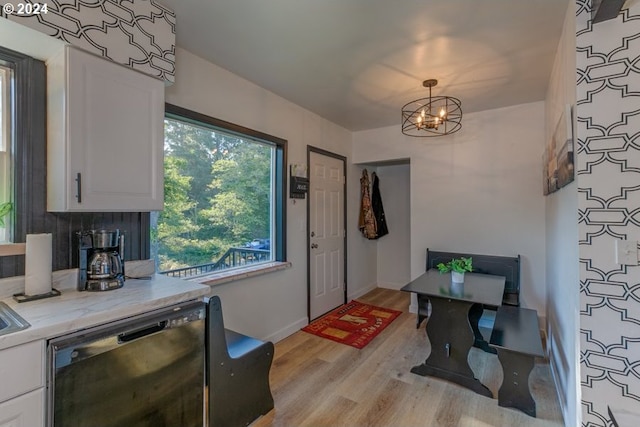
{"x": 65, "y": 354}
{"x": 132, "y": 336}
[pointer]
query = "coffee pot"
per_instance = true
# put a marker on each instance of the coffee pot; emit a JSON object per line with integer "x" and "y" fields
{"x": 101, "y": 265}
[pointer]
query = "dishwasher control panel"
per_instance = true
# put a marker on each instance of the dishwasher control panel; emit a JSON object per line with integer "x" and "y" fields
{"x": 185, "y": 318}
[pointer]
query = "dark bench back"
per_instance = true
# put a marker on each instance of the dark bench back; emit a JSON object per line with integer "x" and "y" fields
{"x": 237, "y": 373}
{"x": 508, "y": 267}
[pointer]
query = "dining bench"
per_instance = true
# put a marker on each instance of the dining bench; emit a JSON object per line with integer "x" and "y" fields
{"x": 516, "y": 337}
{"x": 238, "y": 373}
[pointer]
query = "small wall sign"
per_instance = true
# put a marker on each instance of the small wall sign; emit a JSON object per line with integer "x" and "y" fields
{"x": 298, "y": 182}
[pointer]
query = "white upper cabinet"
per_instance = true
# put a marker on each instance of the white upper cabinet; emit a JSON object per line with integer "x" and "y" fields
{"x": 105, "y": 136}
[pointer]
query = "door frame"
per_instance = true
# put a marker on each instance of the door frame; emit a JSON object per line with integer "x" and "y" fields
{"x": 317, "y": 150}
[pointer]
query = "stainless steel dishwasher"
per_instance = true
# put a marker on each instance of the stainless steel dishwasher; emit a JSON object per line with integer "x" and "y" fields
{"x": 146, "y": 371}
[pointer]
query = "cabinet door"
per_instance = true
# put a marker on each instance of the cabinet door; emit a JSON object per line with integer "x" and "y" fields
{"x": 21, "y": 369}
{"x": 23, "y": 411}
{"x": 115, "y": 134}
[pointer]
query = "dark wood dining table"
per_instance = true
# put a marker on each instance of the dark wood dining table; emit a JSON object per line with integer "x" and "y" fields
{"x": 452, "y": 327}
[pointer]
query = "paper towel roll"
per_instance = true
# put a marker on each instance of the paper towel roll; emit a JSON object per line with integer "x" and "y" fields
{"x": 37, "y": 277}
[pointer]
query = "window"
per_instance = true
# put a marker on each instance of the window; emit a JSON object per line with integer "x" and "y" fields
{"x": 22, "y": 124}
{"x": 224, "y": 197}
{"x": 6, "y": 169}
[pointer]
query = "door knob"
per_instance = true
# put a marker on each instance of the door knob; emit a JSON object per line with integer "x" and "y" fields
{"x": 314, "y": 246}
{"x": 313, "y": 234}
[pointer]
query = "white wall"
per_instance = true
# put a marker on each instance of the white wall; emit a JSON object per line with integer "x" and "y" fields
{"x": 394, "y": 249}
{"x": 478, "y": 191}
{"x": 563, "y": 274}
{"x": 274, "y": 305}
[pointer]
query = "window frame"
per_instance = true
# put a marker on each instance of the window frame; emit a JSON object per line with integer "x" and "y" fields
{"x": 7, "y": 114}
{"x": 29, "y": 124}
{"x": 279, "y": 222}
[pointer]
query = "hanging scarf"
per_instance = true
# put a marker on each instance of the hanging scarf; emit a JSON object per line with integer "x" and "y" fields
{"x": 378, "y": 210}
{"x": 366, "y": 221}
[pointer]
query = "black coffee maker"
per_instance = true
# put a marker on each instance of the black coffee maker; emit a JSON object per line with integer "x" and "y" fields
{"x": 101, "y": 260}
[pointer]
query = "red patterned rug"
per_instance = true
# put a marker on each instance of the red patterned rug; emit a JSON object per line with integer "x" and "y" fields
{"x": 354, "y": 324}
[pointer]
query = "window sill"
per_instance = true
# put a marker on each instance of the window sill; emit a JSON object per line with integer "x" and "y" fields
{"x": 8, "y": 249}
{"x": 239, "y": 274}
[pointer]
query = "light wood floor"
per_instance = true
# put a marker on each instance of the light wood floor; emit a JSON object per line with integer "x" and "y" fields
{"x": 317, "y": 382}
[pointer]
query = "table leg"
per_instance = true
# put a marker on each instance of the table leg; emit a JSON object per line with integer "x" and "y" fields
{"x": 451, "y": 336}
{"x": 475, "y": 313}
{"x": 423, "y": 309}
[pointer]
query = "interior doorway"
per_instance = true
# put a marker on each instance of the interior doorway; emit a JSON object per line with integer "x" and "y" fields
{"x": 326, "y": 238}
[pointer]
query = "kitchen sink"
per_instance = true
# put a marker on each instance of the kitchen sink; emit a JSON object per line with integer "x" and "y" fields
{"x": 10, "y": 321}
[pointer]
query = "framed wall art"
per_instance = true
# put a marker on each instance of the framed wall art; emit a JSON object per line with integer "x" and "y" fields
{"x": 558, "y": 157}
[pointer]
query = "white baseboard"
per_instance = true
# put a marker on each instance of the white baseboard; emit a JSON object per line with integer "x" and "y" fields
{"x": 287, "y": 330}
{"x": 413, "y": 307}
{"x": 392, "y": 285}
{"x": 556, "y": 376}
{"x": 361, "y": 292}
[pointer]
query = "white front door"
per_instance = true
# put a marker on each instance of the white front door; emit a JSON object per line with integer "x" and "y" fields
{"x": 326, "y": 234}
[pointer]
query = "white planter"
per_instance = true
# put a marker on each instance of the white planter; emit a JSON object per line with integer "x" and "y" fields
{"x": 457, "y": 277}
{"x": 457, "y": 289}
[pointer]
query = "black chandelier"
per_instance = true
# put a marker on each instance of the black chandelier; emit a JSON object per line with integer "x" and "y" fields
{"x": 432, "y": 116}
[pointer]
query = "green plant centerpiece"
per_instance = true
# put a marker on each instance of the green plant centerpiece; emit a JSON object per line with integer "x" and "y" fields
{"x": 457, "y": 267}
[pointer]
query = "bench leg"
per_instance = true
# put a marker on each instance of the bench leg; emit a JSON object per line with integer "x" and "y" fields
{"x": 514, "y": 391}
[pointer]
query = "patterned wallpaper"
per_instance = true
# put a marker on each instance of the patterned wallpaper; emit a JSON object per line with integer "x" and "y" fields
{"x": 608, "y": 169}
{"x": 138, "y": 33}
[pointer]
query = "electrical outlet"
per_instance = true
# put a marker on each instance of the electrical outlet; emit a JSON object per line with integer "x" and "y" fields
{"x": 627, "y": 252}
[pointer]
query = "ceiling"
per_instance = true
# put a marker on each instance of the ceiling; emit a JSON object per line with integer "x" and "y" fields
{"x": 357, "y": 62}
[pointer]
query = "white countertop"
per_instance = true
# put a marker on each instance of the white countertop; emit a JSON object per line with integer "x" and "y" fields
{"x": 74, "y": 310}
